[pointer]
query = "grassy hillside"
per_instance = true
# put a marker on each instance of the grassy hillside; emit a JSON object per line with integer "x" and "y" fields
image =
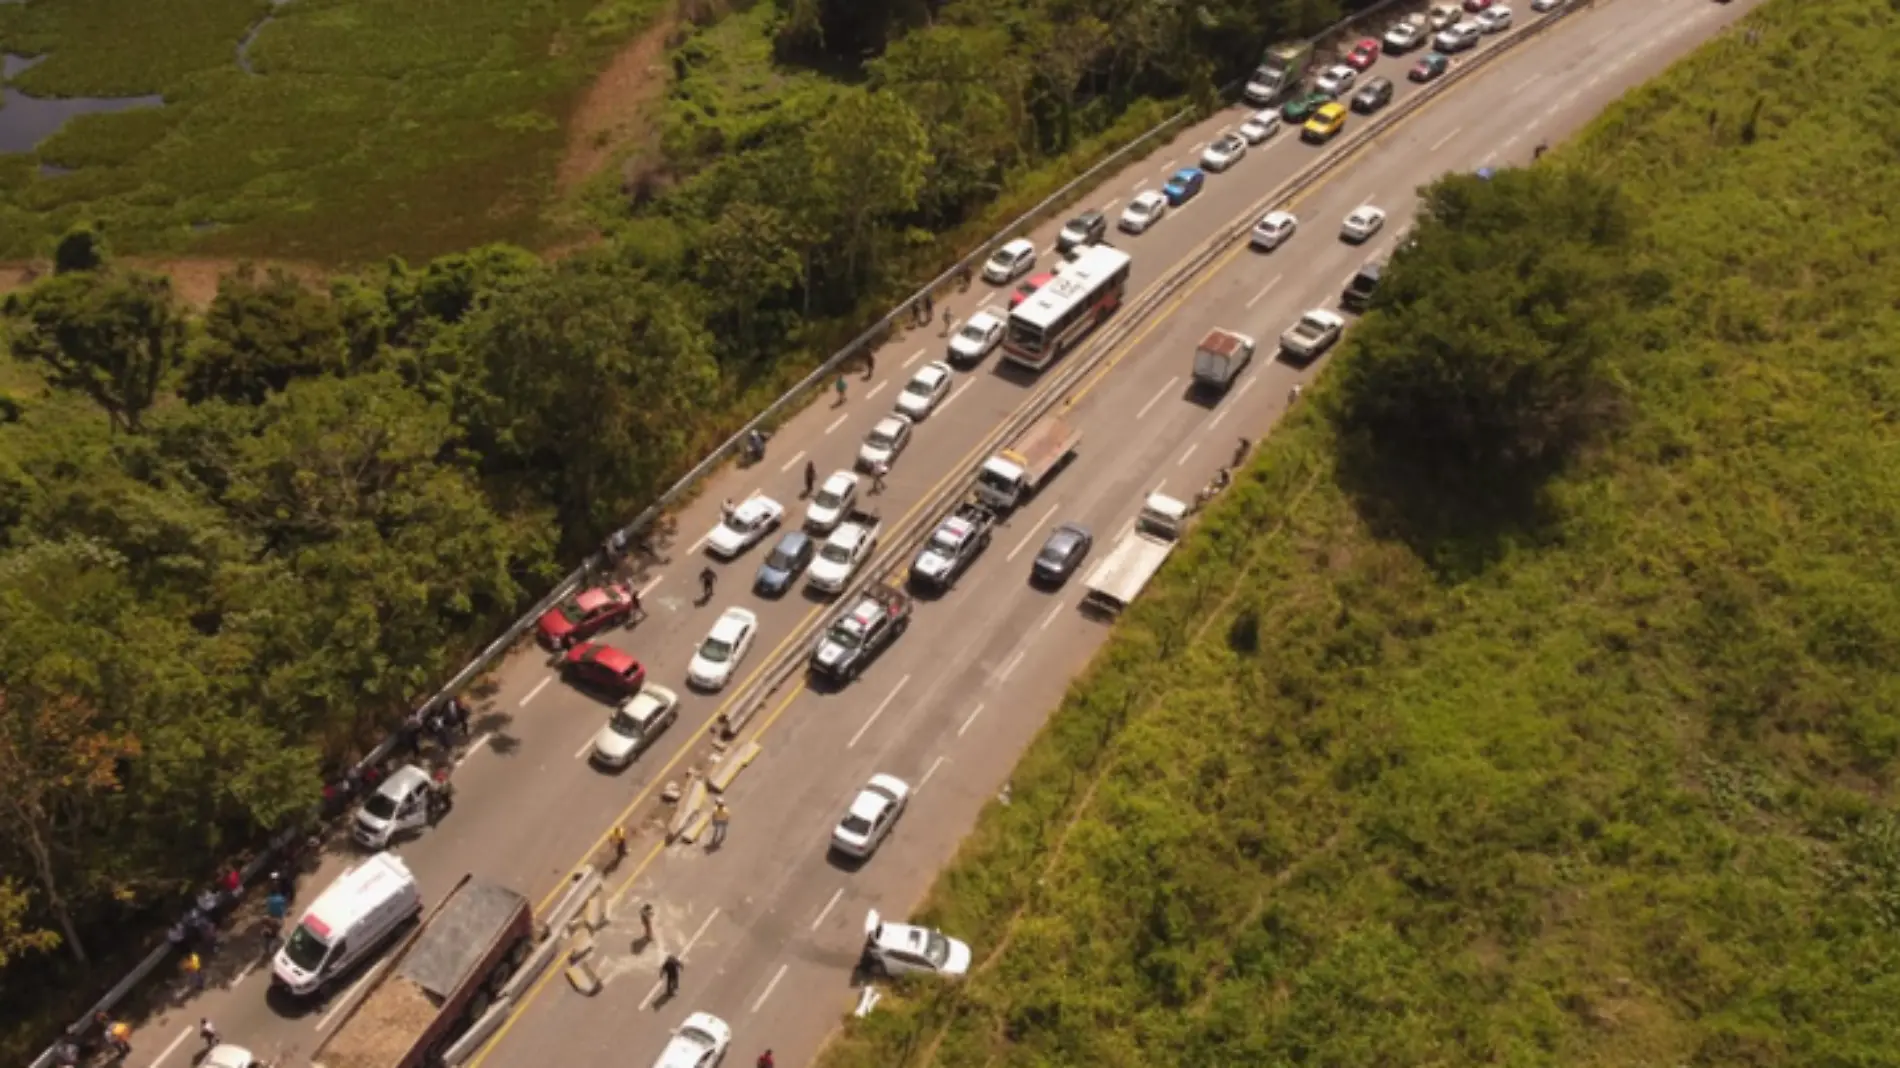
{"x": 1612, "y": 786}
{"x": 363, "y": 128}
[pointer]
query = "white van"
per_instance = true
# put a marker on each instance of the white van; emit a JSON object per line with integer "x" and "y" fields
{"x": 350, "y": 919}
{"x": 400, "y": 804}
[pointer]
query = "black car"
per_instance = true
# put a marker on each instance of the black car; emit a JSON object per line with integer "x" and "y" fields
{"x": 1359, "y": 291}
{"x": 1087, "y": 228}
{"x": 1374, "y": 95}
{"x": 786, "y": 561}
{"x": 1067, "y": 547}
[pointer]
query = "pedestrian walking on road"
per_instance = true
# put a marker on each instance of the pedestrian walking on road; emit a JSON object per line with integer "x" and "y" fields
{"x": 671, "y": 969}
{"x": 766, "y": 1061}
{"x": 840, "y": 387}
{"x": 617, "y": 839}
{"x": 706, "y": 580}
{"x": 930, "y": 308}
{"x": 946, "y": 323}
{"x": 207, "y": 1032}
{"x": 811, "y": 477}
{"x": 646, "y": 923}
{"x": 636, "y": 611}
{"x": 870, "y": 366}
{"x": 721, "y": 819}
{"x": 878, "y": 471}
{"x": 194, "y": 971}
{"x": 1240, "y": 452}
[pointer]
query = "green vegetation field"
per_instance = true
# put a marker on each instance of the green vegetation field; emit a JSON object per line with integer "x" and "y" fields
{"x": 1596, "y": 773}
{"x": 369, "y": 128}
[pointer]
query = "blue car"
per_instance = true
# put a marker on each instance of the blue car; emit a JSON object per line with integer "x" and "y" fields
{"x": 1184, "y": 186}
{"x": 784, "y": 563}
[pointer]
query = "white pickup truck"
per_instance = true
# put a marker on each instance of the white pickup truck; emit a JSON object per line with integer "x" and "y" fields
{"x": 1137, "y": 557}
{"x": 844, "y": 552}
{"x": 1313, "y": 334}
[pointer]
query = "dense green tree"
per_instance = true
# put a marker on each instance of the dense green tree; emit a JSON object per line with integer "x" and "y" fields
{"x": 112, "y": 336}
{"x": 260, "y": 333}
{"x": 747, "y": 260}
{"x": 869, "y": 155}
{"x": 82, "y": 248}
{"x": 967, "y": 89}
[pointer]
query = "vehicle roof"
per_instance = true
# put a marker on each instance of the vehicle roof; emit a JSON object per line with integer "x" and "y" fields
{"x": 459, "y": 935}
{"x": 356, "y": 890}
{"x": 403, "y": 780}
{"x": 793, "y": 541}
{"x": 1018, "y": 246}
{"x": 1146, "y": 197}
{"x": 891, "y": 424}
{"x": 648, "y": 702}
{"x": 606, "y": 656}
{"x": 1279, "y": 215}
{"x": 931, "y": 372}
{"x": 754, "y": 507}
{"x": 226, "y": 1055}
{"x": 981, "y": 320}
{"x": 731, "y": 622}
{"x": 1187, "y": 174}
{"x": 1331, "y": 109}
{"x": 1365, "y": 210}
{"x": 685, "y": 1048}
{"x": 1223, "y": 342}
{"x": 839, "y": 481}
{"x": 589, "y": 599}
{"x": 869, "y": 803}
{"x": 903, "y": 936}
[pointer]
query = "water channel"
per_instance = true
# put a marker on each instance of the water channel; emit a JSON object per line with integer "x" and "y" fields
{"x": 26, "y": 121}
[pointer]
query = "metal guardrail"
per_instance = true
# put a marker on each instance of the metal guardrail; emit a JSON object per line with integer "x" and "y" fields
{"x": 1045, "y": 399}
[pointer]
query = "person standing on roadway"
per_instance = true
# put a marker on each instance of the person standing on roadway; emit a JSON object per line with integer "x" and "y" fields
{"x": 721, "y": 819}
{"x": 646, "y": 923}
{"x": 766, "y": 1061}
{"x": 671, "y": 969}
{"x": 194, "y": 971}
{"x": 207, "y": 1032}
{"x": 811, "y": 477}
{"x": 878, "y": 471}
{"x": 617, "y": 838}
{"x": 706, "y": 581}
{"x": 840, "y": 386}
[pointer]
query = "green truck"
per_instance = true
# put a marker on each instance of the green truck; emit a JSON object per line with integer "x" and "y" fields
{"x": 1279, "y": 73}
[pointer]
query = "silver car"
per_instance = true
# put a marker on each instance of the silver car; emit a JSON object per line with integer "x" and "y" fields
{"x": 884, "y": 443}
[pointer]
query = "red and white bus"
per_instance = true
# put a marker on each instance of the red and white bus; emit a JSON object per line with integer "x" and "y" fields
{"x": 1056, "y": 316}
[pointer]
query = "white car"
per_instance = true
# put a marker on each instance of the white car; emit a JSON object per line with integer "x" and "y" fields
{"x": 1272, "y": 231}
{"x": 871, "y": 816}
{"x": 749, "y": 523}
{"x": 1444, "y": 15}
{"x": 1408, "y": 34}
{"x": 925, "y": 391}
{"x": 1260, "y": 126}
{"x": 1336, "y": 80}
{"x": 700, "y": 1042}
{"x": 901, "y": 949}
{"x": 225, "y": 1055}
{"x": 975, "y": 339}
{"x": 1010, "y": 262}
{"x": 719, "y": 655}
{"x": 840, "y": 557}
{"x": 1457, "y": 37}
{"x": 885, "y": 441}
{"x": 1494, "y": 19}
{"x": 1142, "y": 212}
{"x": 635, "y": 724}
{"x": 1364, "y": 221}
{"x": 1546, "y": 5}
{"x": 829, "y": 505}
{"x": 1224, "y": 152}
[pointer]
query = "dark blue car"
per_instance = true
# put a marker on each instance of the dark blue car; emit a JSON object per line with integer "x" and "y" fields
{"x": 784, "y": 563}
{"x": 1184, "y": 186}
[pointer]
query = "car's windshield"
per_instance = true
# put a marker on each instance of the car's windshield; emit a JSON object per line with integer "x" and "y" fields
{"x": 381, "y": 806}
{"x": 972, "y": 333}
{"x": 716, "y": 650}
{"x": 855, "y": 824}
{"x": 744, "y": 521}
{"x": 937, "y": 950}
{"x": 845, "y": 638}
{"x": 828, "y": 498}
{"x": 305, "y": 949}
{"x": 920, "y": 387}
{"x": 780, "y": 560}
{"x": 945, "y": 540}
{"x": 881, "y": 438}
{"x": 836, "y": 553}
{"x": 573, "y": 614}
{"x": 626, "y": 723}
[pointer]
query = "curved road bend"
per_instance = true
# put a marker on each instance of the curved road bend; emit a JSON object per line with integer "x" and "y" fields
{"x": 768, "y": 926}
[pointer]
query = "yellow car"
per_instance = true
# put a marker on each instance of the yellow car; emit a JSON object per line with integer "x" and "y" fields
{"x": 1327, "y": 121}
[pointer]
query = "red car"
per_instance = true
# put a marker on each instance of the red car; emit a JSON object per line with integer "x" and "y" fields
{"x": 1028, "y": 288}
{"x": 606, "y": 667}
{"x": 1365, "y": 53}
{"x": 584, "y": 614}
{"x": 1475, "y": 6}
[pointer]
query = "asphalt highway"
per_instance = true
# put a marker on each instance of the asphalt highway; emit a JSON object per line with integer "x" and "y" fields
{"x": 769, "y": 925}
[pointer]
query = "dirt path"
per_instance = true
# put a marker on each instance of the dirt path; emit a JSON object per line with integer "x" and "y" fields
{"x": 619, "y": 110}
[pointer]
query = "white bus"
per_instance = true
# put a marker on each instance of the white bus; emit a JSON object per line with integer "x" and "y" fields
{"x": 1056, "y": 316}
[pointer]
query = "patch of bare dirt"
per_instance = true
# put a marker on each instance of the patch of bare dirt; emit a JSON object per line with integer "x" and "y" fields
{"x": 619, "y": 110}
{"x": 194, "y": 279}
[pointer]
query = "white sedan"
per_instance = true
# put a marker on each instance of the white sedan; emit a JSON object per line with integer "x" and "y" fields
{"x": 719, "y": 655}
{"x": 700, "y": 1042}
{"x": 871, "y": 816}
{"x": 746, "y": 526}
{"x": 1546, "y": 5}
{"x": 885, "y": 441}
{"x": 833, "y": 499}
{"x": 925, "y": 390}
{"x": 1364, "y": 221}
{"x": 1260, "y": 126}
{"x": 901, "y": 949}
{"x": 979, "y": 334}
{"x": 1144, "y": 211}
{"x": 1408, "y": 34}
{"x": 1224, "y": 152}
{"x": 1010, "y": 261}
{"x": 635, "y": 724}
{"x": 225, "y": 1055}
{"x": 1494, "y": 19}
{"x": 1336, "y": 80}
{"x": 1272, "y": 231}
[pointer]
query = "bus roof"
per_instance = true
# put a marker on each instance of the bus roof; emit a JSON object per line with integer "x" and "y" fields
{"x": 1077, "y": 283}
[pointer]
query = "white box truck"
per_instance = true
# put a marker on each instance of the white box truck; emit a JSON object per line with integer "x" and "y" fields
{"x": 1220, "y": 358}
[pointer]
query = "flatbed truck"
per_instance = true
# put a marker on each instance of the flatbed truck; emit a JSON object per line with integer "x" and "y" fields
{"x": 1137, "y": 557}
{"x": 1014, "y": 475}
{"x": 445, "y": 976}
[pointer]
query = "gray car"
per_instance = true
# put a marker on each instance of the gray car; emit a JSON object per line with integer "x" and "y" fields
{"x": 1067, "y": 547}
{"x": 784, "y": 563}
